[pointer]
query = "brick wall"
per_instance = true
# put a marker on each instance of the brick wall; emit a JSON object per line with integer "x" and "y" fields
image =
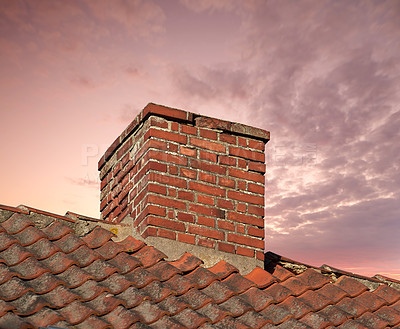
{"x": 190, "y": 178}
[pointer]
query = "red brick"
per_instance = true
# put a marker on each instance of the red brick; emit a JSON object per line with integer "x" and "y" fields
{"x": 206, "y": 189}
{"x": 254, "y": 144}
{"x": 189, "y": 173}
{"x": 172, "y": 147}
{"x": 186, "y": 217}
{"x": 159, "y": 122}
{"x": 241, "y": 185}
{"x": 245, "y": 240}
{"x": 125, "y": 147}
{"x": 247, "y": 175}
{"x": 246, "y": 219}
{"x": 260, "y": 189}
{"x": 162, "y": 134}
{"x": 166, "y": 234}
{"x": 166, "y": 202}
{"x": 203, "y": 231}
{"x": 242, "y": 163}
{"x": 185, "y": 195}
{"x": 173, "y": 170}
{"x": 171, "y": 192}
{"x": 258, "y": 232}
{"x": 155, "y": 210}
{"x": 165, "y": 111}
{"x": 241, "y": 207}
{"x": 226, "y": 182}
{"x": 208, "y": 156}
{"x": 188, "y": 130}
{"x": 227, "y": 247}
{"x": 259, "y": 211}
{"x": 188, "y": 151}
{"x": 207, "y": 178}
{"x": 257, "y": 167}
{"x": 166, "y": 157}
{"x": 187, "y": 238}
{"x": 205, "y": 199}
{"x": 240, "y": 228}
{"x": 149, "y": 231}
{"x": 226, "y": 160}
{"x": 245, "y": 251}
{"x": 206, "y": 242}
{"x": 242, "y": 141}
{"x": 208, "y": 211}
{"x": 222, "y": 203}
{"x": 170, "y": 224}
{"x": 155, "y": 188}
{"x": 223, "y": 225}
{"x": 227, "y": 138}
{"x": 175, "y": 126}
{"x": 155, "y": 144}
{"x": 243, "y": 153}
{"x": 157, "y": 166}
{"x": 206, "y": 144}
{"x": 209, "y": 134}
{"x": 249, "y": 198}
{"x": 167, "y": 180}
{"x": 206, "y": 221}
{"x": 260, "y": 255}
{"x": 208, "y": 167}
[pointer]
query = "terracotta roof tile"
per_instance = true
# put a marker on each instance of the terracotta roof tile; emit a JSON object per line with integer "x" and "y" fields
{"x": 334, "y": 315}
{"x": 74, "y": 277}
{"x": 29, "y": 235}
{"x": 91, "y": 322}
{"x": 69, "y": 243}
{"x": 389, "y": 294}
{"x": 195, "y": 299}
{"x": 44, "y": 317}
{"x": 59, "y": 297}
{"x": 97, "y": 237}
{"x": 124, "y": 263}
{"x": 42, "y": 249}
{"x": 149, "y": 256}
{"x": 218, "y": 291}
{"x": 370, "y": 320}
{"x": 388, "y": 314}
{"x": 293, "y": 324}
{"x": 238, "y": 283}
{"x": 15, "y": 254}
{"x": 278, "y": 292}
{"x": 172, "y": 305}
{"x": 55, "y": 230}
{"x": 315, "y": 320}
{"x": 51, "y": 276}
{"x": 260, "y": 277}
{"x": 223, "y": 269}
{"x": 120, "y": 317}
{"x": 236, "y": 306}
{"x": 202, "y": 277}
{"x": 351, "y": 286}
{"x": 187, "y": 262}
{"x": 44, "y": 283}
{"x": 89, "y": 290}
{"x": 190, "y": 318}
{"x": 16, "y": 223}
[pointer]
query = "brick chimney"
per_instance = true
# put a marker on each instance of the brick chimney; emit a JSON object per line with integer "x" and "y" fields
{"x": 196, "y": 180}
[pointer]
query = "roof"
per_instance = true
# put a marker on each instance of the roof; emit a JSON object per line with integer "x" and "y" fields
{"x": 52, "y": 274}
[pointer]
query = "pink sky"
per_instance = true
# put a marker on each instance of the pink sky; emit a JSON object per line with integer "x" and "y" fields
{"x": 322, "y": 76}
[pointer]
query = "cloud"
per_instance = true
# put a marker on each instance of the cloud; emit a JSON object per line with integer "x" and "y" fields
{"x": 323, "y": 77}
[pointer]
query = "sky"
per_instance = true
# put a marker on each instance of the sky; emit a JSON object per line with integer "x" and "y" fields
{"x": 322, "y": 76}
